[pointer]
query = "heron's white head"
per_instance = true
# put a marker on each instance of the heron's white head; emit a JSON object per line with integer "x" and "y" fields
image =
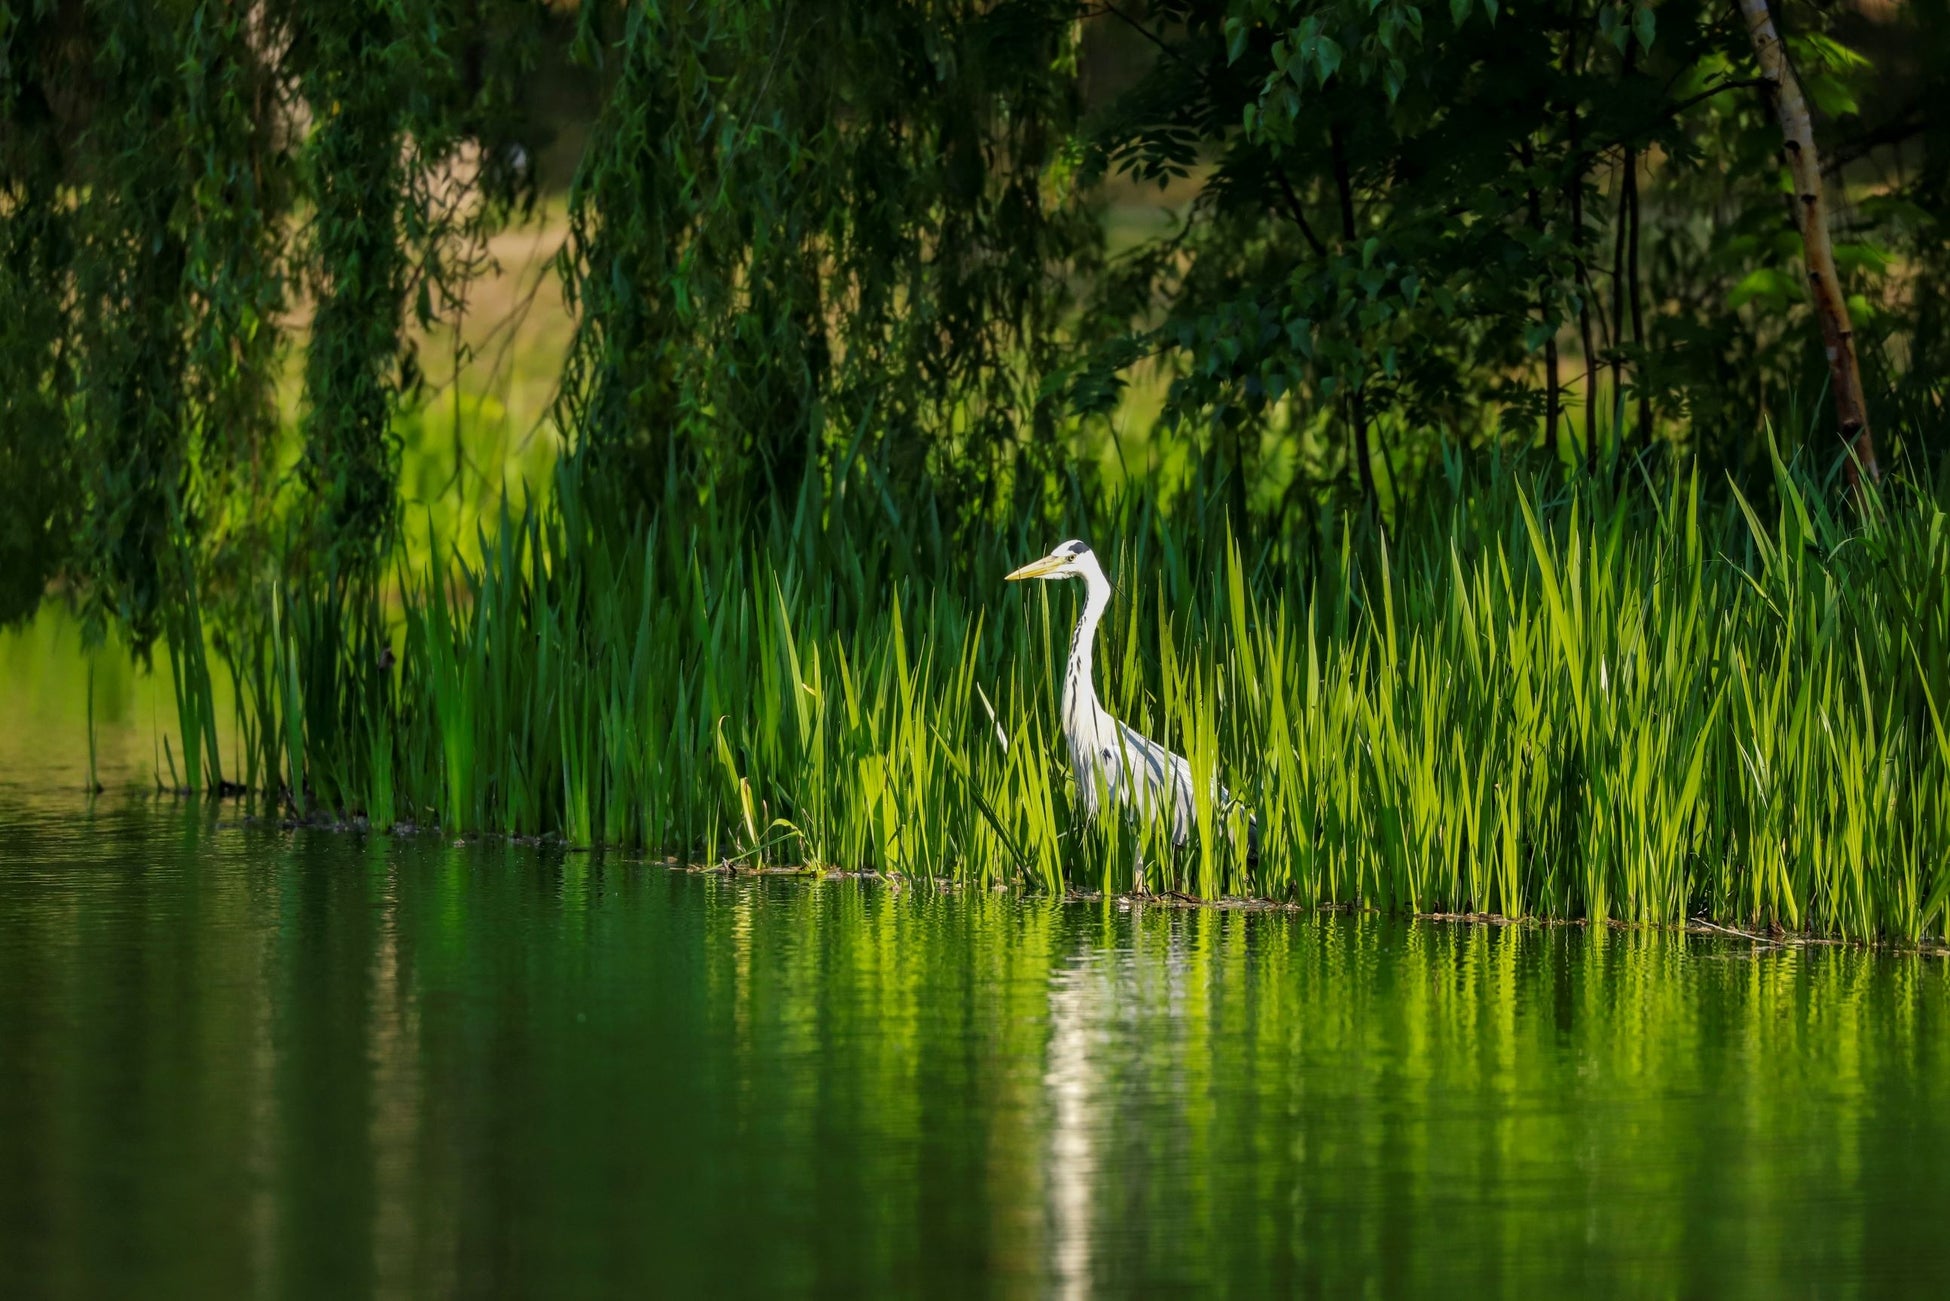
{"x": 1071, "y": 559}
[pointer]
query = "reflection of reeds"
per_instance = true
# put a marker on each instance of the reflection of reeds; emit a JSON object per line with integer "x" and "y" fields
{"x": 1524, "y": 701}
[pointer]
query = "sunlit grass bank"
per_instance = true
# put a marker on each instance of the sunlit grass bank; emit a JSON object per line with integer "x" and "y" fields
{"x": 1529, "y": 700}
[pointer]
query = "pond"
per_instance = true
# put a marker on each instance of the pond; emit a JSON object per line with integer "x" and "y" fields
{"x": 243, "y": 1060}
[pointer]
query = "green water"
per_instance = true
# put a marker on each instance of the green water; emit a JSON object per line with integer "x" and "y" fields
{"x": 247, "y": 1062}
{"x": 238, "y": 1061}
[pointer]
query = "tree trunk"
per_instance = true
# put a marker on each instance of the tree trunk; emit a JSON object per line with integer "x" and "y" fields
{"x": 1825, "y": 287}
{"x": 1638, "y": 316}
{"x": 1621, "y": 236}
{"x": 1574, "y": 191}
{"x": 1357, "y": 397}
{"x": 1552, "y": 400}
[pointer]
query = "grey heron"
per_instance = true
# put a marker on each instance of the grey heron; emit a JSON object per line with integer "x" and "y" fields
{"x": 1107, "y": 755}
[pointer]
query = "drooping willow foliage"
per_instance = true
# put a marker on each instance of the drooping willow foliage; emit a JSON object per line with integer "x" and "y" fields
{"x": 804, "y": 236}
{"x": 180, "y": 181}
{"x": 823, "y": 231}
{"x": 103, "y": 222}
{"x": 409, "y": 159}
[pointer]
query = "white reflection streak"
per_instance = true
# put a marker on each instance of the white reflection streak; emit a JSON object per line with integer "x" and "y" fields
{"x": 392, "y": 1130}
{"x": 1072, "y": 1084}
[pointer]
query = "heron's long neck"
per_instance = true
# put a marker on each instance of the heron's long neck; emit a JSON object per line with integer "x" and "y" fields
{"x": 1079, "y": 685}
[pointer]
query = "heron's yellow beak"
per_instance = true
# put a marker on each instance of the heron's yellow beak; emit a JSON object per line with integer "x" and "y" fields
{"x": 1038, "y": 568}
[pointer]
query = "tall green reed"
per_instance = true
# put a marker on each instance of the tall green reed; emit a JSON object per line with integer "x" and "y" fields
{"x": 1639, "y": 704}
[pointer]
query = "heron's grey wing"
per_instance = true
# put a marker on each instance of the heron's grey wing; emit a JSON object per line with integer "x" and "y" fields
{"x": 1163, "y": 781}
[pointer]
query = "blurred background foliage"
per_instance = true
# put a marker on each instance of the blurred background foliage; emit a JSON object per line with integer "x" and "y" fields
{"x": 286, "y": 288}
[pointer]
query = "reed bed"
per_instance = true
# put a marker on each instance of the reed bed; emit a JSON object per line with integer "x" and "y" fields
{"x": 1527, "y": 698}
